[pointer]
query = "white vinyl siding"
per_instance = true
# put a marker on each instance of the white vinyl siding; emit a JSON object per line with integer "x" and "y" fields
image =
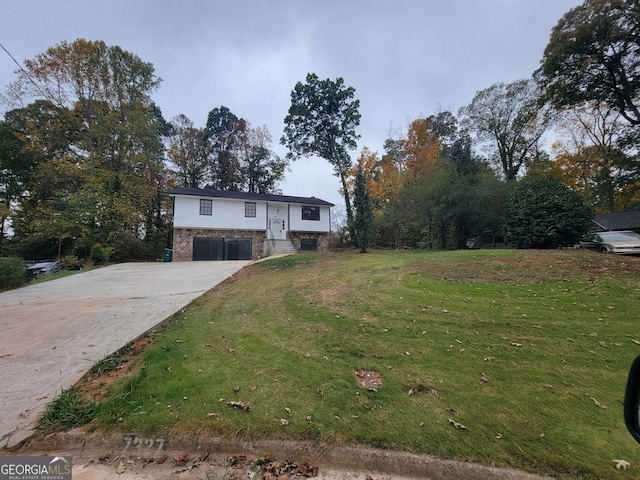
{"x": 297, "y": 224}
{"x": 227, "y": 214}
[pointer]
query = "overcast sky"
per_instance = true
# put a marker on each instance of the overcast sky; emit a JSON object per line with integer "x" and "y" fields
{"x": 405, "y": 58}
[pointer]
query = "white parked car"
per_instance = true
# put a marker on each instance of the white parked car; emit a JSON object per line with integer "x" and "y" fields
{"x": 624, "y": 242}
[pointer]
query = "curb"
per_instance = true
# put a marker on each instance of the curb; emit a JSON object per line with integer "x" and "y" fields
{"x": 86, "y": 447}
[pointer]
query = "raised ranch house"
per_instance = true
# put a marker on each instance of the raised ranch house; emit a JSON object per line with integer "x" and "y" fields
{"x": 220, "y": 225}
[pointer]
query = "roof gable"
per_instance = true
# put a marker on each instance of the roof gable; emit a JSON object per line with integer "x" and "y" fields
{"x": 267, "y": 197}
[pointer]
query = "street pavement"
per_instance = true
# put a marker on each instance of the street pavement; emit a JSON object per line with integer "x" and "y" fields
{"x": 52, "y": 333}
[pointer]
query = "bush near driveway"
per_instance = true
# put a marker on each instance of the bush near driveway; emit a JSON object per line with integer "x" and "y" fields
{"x": 12, "y": 273}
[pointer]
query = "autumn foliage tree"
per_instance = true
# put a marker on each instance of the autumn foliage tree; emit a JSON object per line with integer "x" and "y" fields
{"x": 96, "y": 137}
{"x": 590, "y": 160}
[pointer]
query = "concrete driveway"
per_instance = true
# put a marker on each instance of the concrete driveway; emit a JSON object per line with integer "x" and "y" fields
{"x": 52, "y": 333}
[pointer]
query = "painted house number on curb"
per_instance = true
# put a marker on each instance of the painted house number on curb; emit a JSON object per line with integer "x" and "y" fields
{"x": 139, "y": 443}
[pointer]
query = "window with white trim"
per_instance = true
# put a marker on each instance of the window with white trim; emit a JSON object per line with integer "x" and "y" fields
{"x": 310, "y": 213}
{"x": 250, "y": 209}
{"x": 206, "y": 206}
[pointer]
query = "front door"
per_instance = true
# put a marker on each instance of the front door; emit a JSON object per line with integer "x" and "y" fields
{"x": 277, "y": 228}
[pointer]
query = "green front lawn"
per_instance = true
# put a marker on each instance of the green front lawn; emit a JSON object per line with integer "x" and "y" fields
{"x": 508, "y": 358}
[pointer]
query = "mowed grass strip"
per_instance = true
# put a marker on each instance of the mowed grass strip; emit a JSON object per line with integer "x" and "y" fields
{"x": 508, "y": 358}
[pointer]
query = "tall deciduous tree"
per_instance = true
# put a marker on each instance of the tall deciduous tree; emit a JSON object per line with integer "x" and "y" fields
{"x": 16, "y": 170}
{"x": 188, "y": 152}
{"x": 97, "y": 140}
{"x": 322, "y": 121}
{"x": 588, "y": 158}
{"x": 262, "y": 169}
{"x": 422, "y": 147}
{"x": 509, "y": 121}
{"x": 224, "y": 132}
{"x": 593, "y": 54}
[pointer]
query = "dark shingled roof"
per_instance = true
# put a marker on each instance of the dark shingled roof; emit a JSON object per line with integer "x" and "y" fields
{"x": 267, "y": 197}
{"x": 619, "y": 220}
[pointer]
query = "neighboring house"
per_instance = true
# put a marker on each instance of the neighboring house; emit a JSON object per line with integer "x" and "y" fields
{"x": 219, "y": 225}
{"x": 618, "y": 221}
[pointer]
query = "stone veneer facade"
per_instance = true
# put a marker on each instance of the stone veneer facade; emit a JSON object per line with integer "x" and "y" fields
{"x": 322, "y": 238}
{"x": 183, "y": 240}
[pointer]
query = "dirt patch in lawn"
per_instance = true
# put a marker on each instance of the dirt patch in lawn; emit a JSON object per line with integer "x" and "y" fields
{"x": 368, "y": 379}
{"x": 94, "y": 386}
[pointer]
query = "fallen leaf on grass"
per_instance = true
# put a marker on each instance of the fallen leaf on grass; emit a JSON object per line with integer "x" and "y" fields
{"x": 456, "y": 424}
{"x": 245, "y": 407}
{"x": 598, "y": 404}
{"x": 621, "y": 464}
{"x": 636, "y": 342}
{"x": 283, "y": 422}
{"x": 516, "y": 344}
{"x": 484, "y": 378}
{"x": 209, "y": 415}
{"x": 252, "y": 388}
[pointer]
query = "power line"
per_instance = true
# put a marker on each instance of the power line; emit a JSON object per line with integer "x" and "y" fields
{"x": 27, "y": 74}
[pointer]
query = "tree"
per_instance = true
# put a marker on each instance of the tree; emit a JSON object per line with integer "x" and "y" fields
{"x": 593, "y": 55}
{"x": 16, "y": 170}
{"x": 188, "y": 152}
{"x": 545, "y": 213}
{"x": 422, "y": 147}
{"x": 363, "y": 216}
{"x": 588, "y": 158}
{"x": 262, "y": 169}
{"x": 322, "y": 120}
{"x": 224, "y": 133}
{"x": 509, "y": 120}
{"x": 97, "y": 141}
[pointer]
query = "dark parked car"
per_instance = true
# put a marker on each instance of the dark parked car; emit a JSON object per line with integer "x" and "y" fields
{"x": 623, "y": 242}
{"x": 632, "y": 401}
{"x": 43, "y": 268}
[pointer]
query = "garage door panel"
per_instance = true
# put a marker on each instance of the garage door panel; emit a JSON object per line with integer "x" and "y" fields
{"x": 205, "y": 249}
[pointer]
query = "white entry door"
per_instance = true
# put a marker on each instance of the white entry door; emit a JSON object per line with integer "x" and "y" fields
{"x": 278, "y": 228}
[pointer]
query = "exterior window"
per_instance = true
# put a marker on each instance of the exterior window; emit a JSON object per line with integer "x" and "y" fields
{"x": 249, "y": 209}
{"x": 311, "y": 213}
{"x": 206, "y": 207}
